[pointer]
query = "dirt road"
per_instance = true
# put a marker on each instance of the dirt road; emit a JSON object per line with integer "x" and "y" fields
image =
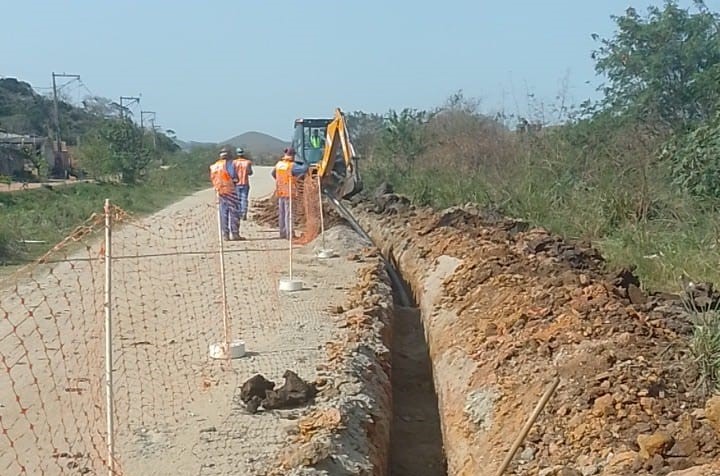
{"x": 20, "y": 186}
{"x": 176, "y": 409}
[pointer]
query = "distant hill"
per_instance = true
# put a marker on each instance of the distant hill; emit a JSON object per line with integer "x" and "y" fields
{"x": 258, "y": 144}
{"x": 191, "y": 144}
{"x": 24, "y": 111}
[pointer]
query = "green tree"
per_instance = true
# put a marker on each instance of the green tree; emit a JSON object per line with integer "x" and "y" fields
{"x": 116, "y": 148}
{"x": 364, "y": 130}
{"x": 694, "y": 159}
{"x": 663, "y": 67}
{"x": 404, "y": 136}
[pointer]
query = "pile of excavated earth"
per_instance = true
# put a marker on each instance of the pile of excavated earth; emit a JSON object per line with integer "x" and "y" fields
{"x": 506, "y": 309}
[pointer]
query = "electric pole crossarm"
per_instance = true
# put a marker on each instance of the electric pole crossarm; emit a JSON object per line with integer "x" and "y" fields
{"x": 59, "y": 166}
{"x": 130, "y": 100}
{"x": 142, "y": 117}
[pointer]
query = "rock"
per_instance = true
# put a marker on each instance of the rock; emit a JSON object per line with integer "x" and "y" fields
{"x": 567, "y": 471}
{"x": 712, "y": 413}
{"x": 591, "y": 470}
{"x": 656, "y": 444}
{"x": 624, "y": 278}
{"x": 255, "y": 386}
{"x": 549, "y": 471}
{"x": 655, "y": 464}
{"x": 621, "y": 462}
{"x": 383, "y": 189}
{"x": 636, "y": 295}
{"x": 706, "y": 470}
{"x": 683, "y": 448}
{"x": 559, "y": 471}
{"x": 603, "y": 406}
{"x": 528, "y": 454}
{"x": 257, "y": 391}
{"x": 295, "y": 391}
{"x": 702, "y": 296}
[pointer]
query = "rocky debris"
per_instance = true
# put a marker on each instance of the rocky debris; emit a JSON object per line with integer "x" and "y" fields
{"x": 655, "y": 444}
{"x": 384, "y": 188}
{"x": 255, "y": 388}
{"x": 265, "y": 212}
{"x": 347, "y": 429}
{"x": 705, "y": 470}
{"x": 702, "y": 296}
{"x": 326, "y": 419}
{"x": 259, "y": 392}
{"x": 712, "y": 413}
{"x": 524, "y": 306}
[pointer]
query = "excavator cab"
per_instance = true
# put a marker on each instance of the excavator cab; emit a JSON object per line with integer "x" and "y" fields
{"x": 309, "y": 139}
{"x": 324, "y": 144}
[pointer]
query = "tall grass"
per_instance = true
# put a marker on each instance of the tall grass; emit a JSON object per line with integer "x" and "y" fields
{"x": 600, "y": 183}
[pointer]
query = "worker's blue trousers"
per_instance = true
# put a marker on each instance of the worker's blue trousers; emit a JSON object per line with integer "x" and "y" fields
{"x": 229, "y": 216}
{"x": 242, "y": 192}
{"x": 284, "y": 216}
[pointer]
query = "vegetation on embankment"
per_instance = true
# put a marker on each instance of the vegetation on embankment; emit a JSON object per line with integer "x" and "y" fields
{"x": 636, "y": 173}
{"x": 50, "y": 214}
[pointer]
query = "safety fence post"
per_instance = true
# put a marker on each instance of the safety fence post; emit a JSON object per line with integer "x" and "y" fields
{"x": 109, "y": 396}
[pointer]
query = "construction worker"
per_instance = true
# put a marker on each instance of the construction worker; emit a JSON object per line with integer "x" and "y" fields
{"x": 285, "y": 173}
{"x": 223, "y": 176}
{"x": 315, "y": 140}
{"x": 243, "y": 169}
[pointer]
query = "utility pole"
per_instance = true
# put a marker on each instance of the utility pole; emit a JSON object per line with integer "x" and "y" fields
{"x": 58, "y": 152}
{"x": 130, "y": 99}
{"x": 154, "y": 131}
{"x": 142, "y": 117}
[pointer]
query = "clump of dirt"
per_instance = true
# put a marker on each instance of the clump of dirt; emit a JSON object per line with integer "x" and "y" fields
{"x": 522, "y": 306}
{"x": 265, "y": 212}
{"x": 258, "y": 392}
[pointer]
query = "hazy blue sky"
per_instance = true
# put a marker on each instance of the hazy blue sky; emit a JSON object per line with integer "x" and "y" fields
{"x": 217, "y": 68}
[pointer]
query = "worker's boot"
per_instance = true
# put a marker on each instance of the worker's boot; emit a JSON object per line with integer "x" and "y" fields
{"x": 226, "y": 237}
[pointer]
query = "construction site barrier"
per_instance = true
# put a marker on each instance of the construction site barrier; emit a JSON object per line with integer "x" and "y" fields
{"x": 104, "y": 340}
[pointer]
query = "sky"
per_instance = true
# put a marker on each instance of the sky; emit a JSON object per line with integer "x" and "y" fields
{"x": 217, "y": 68}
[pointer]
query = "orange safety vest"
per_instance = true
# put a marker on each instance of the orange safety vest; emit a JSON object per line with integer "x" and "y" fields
{"x": 284, "y": 178}
{"x": 241, "y": 169}
{"x": 221, "y": 179}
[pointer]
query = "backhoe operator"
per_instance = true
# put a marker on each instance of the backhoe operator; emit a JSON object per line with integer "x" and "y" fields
{"x": 316, "y": 141}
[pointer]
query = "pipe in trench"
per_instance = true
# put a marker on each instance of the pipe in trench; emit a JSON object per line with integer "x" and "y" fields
{"x": 392, "y": 272}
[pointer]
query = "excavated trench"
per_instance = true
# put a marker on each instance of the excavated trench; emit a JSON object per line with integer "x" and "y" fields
{"x": 416, "y": 442}
{"x": 415, "y": 436}
{"x": 444, "y": 385}
{"x": 507, "y": 310}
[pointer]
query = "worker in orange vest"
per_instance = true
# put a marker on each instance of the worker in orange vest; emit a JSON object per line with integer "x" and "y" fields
{"x": 285, "y": 173}
{"x": 223, "y": 176}
{"x": 243, "y": 168}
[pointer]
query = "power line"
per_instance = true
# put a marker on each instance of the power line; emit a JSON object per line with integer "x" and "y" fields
{"x": 59, "y": 165}
{"x": 142, "y": 117}
{"x": 86, "y": 88}
{"x": 131, "y": 100}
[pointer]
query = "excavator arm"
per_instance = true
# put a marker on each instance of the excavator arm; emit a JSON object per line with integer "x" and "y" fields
{"x": 338, "y": 168}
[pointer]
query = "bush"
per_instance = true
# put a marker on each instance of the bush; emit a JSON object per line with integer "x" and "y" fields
{"x": 695, "y": 160}
{"x": 116, "y": 149}
{"x": 705, "y": 345}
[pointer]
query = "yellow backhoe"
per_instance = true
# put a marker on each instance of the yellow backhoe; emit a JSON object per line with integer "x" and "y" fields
{"x": 324, "y": 144}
